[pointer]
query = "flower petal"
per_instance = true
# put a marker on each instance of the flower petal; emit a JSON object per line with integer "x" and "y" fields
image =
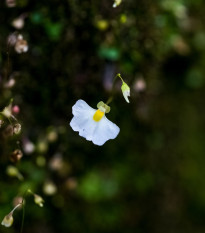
{"x": 83, "y": 119}
{"x": 81, "y": 107}
{"x": 104, "y": 131}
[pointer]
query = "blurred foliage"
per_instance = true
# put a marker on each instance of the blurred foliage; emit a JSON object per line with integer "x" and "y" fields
{"x": 151, "y": 177}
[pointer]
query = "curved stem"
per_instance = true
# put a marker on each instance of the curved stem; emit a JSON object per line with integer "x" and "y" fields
{"x": 23, "y": 205}
{"x": 15, "y": 207}
{"x": 23, "y": 216}
{"x": 113, "y": 84}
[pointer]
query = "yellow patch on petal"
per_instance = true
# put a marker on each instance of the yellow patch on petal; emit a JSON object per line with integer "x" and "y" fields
{"x": 98, "y": 115}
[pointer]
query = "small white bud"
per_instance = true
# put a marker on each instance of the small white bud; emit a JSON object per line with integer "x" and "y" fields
{"x": 14, "y": 172}
{"x": 38, "y": 200}
{"x": 125, "y": 91}
{"x": 116, "y": 3}
{"x": 8, "y": 220}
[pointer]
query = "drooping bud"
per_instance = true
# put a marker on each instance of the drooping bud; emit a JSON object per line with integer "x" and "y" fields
{"x": 125, "y": 91}
{"x": 38, "y": 200}
{"x": 116, "y": 3}
{"x": 13, "y": 171}
{"x": 8, "y": 220}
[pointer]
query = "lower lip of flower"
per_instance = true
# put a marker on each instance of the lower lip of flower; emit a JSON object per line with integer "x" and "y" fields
{"x": 98, "y": 115}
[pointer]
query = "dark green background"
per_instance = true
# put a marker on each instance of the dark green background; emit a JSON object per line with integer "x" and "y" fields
{"x": 151, "y": 177}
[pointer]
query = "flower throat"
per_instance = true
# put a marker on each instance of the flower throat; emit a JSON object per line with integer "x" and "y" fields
{"x": 98, "y": 115}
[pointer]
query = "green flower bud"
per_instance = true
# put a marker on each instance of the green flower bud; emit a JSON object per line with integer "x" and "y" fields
{"x": 125, "y": 91}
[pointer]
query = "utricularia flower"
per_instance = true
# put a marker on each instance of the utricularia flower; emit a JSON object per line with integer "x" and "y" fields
{"x": 125, "y": 91}
{"x": 92, "y": 124}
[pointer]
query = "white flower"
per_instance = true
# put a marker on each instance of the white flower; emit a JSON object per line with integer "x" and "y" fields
{"x": 92, "y": 124}
{"x": 125, "y": 91}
